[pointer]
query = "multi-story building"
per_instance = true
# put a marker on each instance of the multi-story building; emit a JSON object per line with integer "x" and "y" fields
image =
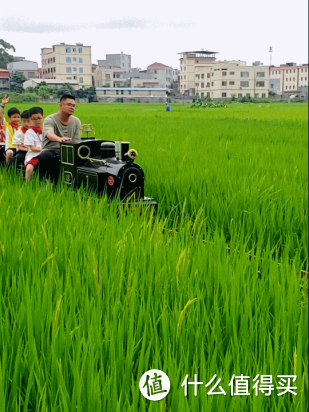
{"x": 27, "y": 67}
{"x": 123, "y": 61}
{"x": 188, "y": 62}
{"x": 68, "y": 62}
{"x": 109, "y": 76}
{"x": 202, "y": 76}
{"x": 165, "y": 74}
{"x": 289, "y": 78}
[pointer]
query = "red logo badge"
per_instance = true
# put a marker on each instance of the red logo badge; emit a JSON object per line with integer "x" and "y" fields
{"x": 110, "y": 180}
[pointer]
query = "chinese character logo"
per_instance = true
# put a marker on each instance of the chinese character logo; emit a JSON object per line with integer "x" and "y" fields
{"x": 154, "y": 385}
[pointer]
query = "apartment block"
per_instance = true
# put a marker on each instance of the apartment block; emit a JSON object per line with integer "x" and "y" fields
{"x": 202, "y": 76}
{"x": 123, "y": 61}
{"x": 109, "y": 76}
{"x": 68, "y": 62}
{"x": 288, "y": 78}
{"x": 165, "y": 74}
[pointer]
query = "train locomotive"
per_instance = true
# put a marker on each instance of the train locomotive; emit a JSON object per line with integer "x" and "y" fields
{"x": 105, "y": 167}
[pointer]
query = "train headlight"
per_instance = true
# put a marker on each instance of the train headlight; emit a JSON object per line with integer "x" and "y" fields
{"x": 132, "y": 154}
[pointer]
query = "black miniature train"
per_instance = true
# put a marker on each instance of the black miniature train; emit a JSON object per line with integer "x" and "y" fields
{"x": 104, "y": 167}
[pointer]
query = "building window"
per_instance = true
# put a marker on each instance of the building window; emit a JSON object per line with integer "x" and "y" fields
{"x": 69, "y": 78}
{"x": 212, "y": 74}
{"x": 239, "y": 95}
{"x": 232, "y": 73}
{"x": 129, "y": 91}
{"x": 289, "y": 87}
{"x": 208, "y": 84}
{"x": 80, "y": 50}
{"x": 208, "y": 75}
{"x": 68, "y": 50}
{"x": 272, "y": 85}
{"x": 263, "y": 94}
{"x": 244, "y": 74}
{"x": 286, "y": 80}
{"x": 293, "y": 87}
{"x": 104, "y": 91}
{"x": 223, "y": 94}
{"x": 248, "y": 94}
{"x": 301, "y": 70}
{"x": 74, "y": 49}
{"x": 256, "y": 95}
{"x": 231, "y": 83}
{"x": 224, "y": 73}
{"x": 117, "y": 91}
{"x": 74, "y": 69}
{"x": 208, "y": 94}
{"x": 68, "y": 70}
{"x": 293, "y": 79}
{"x": 75, "y": 77}
{"x": 244, "y": 84}
{"x": 53, "y": 60}
{"x": 224, "y": 83}
{"x": 212, "y": 83}
{"x": 202, "y": 85}
{"x": 74, "y": 59}
{"x": 121, "y": 91}
{"x": 80, "y": 60}
{"x": 202, "y": 76}
{"x": 260, "y": 74}
{"x": 260, "y": 84}
{"x": 286, "y": 87}
{"x": 80, "y": 70}
{"x": 81, "y": 80}
{"x": 68, "y": 60}
{"x": 185, "y": 77}
{"x": 301, "y": 79}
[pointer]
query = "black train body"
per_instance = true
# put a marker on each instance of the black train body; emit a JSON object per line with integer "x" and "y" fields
{"x": 104, "y": 167}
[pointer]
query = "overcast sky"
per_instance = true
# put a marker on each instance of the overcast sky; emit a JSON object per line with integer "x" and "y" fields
{"x": 156, "y": 31}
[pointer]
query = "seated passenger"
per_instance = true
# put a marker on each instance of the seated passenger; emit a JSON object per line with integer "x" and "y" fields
{"x": 33, "y": 140}
{"x": 18, "y": 140}
{"x": 9, "y": 128}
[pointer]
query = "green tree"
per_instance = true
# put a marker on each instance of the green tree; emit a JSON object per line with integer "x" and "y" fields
{"x": 5, "y": 57}
{"x": 17, "y": 80}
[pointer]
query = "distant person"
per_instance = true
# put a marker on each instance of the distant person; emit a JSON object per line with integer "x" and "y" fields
{"x": 9, "y": 128}
{"x": 58, "y": 127}
{"x": 168, "y": 108}
{"x": 33, "y": 141}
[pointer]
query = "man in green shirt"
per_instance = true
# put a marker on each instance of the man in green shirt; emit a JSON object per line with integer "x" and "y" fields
{"x": 58, "y": 127}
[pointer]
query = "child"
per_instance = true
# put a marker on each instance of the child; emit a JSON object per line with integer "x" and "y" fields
{"x": 33, "y": 140}
{"x": 18, "y": 139}
{"x": 9, "y": 128}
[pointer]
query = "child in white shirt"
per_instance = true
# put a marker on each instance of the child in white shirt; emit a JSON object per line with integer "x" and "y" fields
{"x": 33, "y": 140}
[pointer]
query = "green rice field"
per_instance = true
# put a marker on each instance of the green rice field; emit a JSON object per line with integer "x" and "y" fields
{"x": 214, "y": 283}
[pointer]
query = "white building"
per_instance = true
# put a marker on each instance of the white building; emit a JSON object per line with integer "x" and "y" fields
{"x": 289, "y": 78}
{"x": 68, "y": 62}
{"x": 131, "y": 95}
{"x": 202, "y": 76}
{"x": 50, "y": 82}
